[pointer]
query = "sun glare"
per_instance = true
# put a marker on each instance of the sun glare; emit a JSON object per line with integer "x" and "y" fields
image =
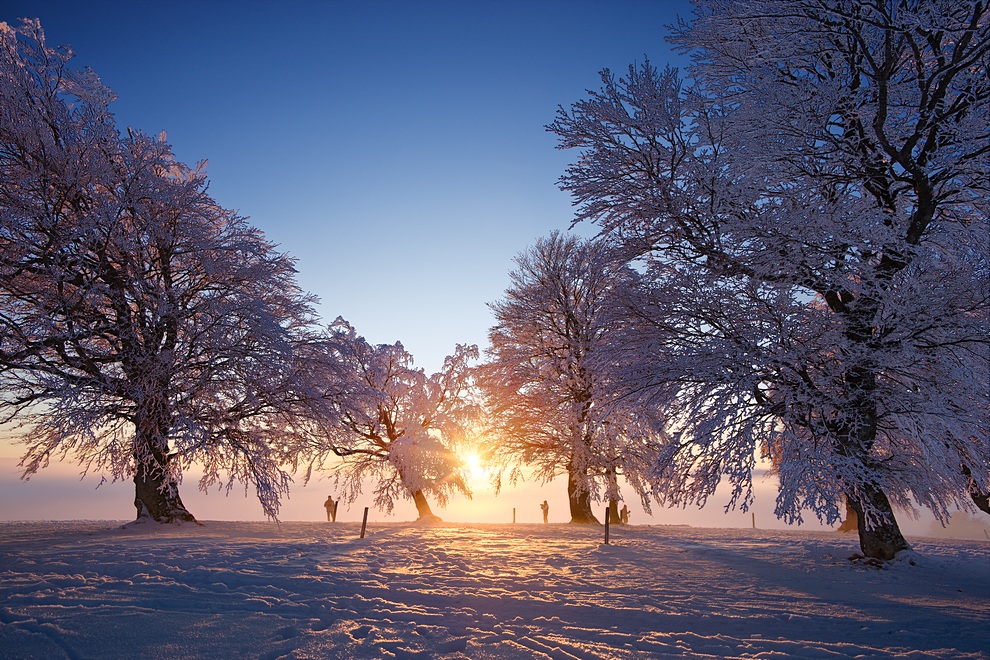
{"x": 474, "y": 467}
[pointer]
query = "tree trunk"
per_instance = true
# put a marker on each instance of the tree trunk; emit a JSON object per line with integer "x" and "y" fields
{"x": 580, "y": 501}
{"x": 851, "y": 523}
{"x": 613, "y": 512}
{"x": 423, "y": 507}
{"x": 980, "y": 499}
{"x": 156, "y": 496}
{"x": 880, "y": 537}
{"x": 156, "y": 491}
{"x": 612, "y": 493}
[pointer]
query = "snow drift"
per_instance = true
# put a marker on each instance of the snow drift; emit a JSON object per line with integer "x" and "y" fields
{"x": 307, "y": 590}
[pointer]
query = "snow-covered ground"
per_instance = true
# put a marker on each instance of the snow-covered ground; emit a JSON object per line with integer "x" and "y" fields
{"x": 317, "y": 590}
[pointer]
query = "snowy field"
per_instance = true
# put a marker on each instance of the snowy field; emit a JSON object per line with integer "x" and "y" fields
{"x": 316, "y": 590}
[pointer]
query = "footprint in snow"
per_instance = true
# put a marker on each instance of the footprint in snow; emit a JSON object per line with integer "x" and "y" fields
{"x": 360, "y": 632}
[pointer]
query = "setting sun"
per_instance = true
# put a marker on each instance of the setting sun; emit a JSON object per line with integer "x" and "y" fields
{"x": 474, "y": 466}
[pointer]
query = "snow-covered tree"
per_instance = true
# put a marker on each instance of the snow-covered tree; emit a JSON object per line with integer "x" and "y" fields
{"x": 812, "y": 216}
{"x": 144, "y": 328}
{"x": 550, "y": 402}
{"x": 394, "y": 425}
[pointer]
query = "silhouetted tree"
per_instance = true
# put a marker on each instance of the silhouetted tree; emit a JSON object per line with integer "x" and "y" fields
{"x": 812, "y": 222}
{"x": 144, "y": 328}
{"x": 551, "y": 402}
{"x": 392, "y": 424}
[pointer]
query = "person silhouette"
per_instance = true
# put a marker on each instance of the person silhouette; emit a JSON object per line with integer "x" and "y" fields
{"x": 546, "y": 510}
{"x": 331, "y": 508}
{"x": 624, "y": 515}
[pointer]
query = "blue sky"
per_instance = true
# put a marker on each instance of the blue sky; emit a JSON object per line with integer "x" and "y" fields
{"x": 396, "y": 149}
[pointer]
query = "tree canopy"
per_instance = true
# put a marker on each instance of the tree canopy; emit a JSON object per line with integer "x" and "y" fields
{"x": 391, "y": 424}
{"x": 810, "y": 215}
{"x": 551, "y": 398}
{"x": 144, "y": 327}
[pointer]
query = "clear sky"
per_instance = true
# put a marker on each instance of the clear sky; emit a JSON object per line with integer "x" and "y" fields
{"x": 396, "y": 149}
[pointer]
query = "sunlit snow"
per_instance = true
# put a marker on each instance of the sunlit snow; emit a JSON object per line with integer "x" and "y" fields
{"x": 309, "y": 590}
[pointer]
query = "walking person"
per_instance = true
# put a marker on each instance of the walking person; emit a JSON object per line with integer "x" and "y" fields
{"x": 331, "y": 508}
{"x": 546, "y": 510}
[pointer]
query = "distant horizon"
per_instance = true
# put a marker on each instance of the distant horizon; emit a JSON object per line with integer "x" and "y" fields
{"x": 48, "y": 491}
{"x": 396, "y": 150}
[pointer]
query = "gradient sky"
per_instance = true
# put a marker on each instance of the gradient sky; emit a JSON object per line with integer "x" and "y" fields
{"x": 396, "y": 149}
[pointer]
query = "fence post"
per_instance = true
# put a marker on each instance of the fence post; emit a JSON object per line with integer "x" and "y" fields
{"x": 364, "y": 521}
{"x": 513, "y": 515}
{"x": 754, "y": 520}
{"x": 607, "y": 516}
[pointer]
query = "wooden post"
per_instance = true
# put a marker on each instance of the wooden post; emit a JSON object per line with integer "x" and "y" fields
{"x": 754, "y": 520}
{"x": 513, "y": 515}
{"x": 607, "y": 516}
{"x": 364, "y": 521}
